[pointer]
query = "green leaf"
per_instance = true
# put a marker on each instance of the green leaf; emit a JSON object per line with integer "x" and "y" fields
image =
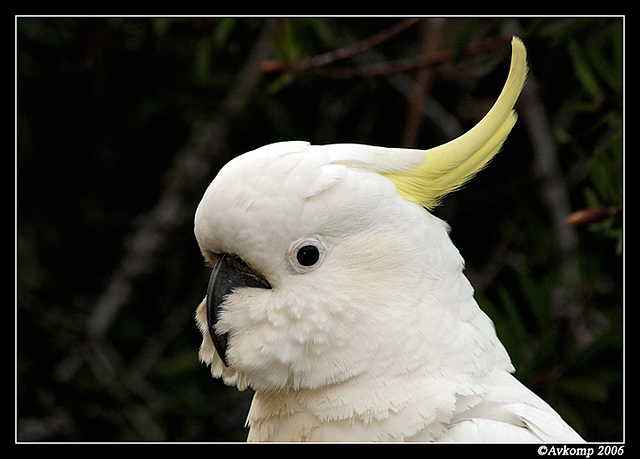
{"x": 583, "y": 71}
{"x": 202, "y": 61}
{"x": 586, "y": 388}
{"x": 223, "y": 30}
{"x": 605, "y": 170}
{"x": 514, "y": 317}
{"x": 538, "y": 299}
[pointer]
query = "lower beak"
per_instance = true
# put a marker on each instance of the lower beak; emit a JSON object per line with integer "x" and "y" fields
{"x": 229, "y": 274}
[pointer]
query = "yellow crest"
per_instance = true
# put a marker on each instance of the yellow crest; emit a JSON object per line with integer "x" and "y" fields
{"x": 449, "y": 166}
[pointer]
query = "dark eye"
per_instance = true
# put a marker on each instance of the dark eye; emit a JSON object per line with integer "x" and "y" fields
{"x": 308, "y": 255}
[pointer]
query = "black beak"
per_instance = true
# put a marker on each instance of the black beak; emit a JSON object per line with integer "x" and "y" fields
{"x": 229, "y": 274}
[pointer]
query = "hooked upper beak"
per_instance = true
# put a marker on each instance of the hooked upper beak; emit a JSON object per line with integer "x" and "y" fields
{"x": 229, "y": 274}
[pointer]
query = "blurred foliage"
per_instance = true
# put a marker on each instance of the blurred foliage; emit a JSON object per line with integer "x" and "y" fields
{"x": 104, "y": 105}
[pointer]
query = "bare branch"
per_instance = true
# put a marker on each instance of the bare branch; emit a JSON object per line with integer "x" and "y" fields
{"x": 346, "y": 52}
{"x": 383, "y": 69}
{"x": 188, "y": 173}
{"x": 189, "y": 170}
{"x": 547, "y": 170}
{"x": 585, "y": 323}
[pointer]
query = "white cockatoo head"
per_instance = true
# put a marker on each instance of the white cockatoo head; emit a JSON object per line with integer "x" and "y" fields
{"x": 326, "y": 265}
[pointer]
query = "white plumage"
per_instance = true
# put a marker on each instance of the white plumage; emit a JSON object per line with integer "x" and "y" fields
{"x": 349, "y": 314}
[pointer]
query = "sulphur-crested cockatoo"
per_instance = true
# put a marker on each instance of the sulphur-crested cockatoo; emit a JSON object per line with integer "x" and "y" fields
{"x": 341, "y": 301}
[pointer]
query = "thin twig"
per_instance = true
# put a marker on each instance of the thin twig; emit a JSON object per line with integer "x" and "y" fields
{"x": 403, "y": 83}
{"x": 346, "y": 52}
{"x": 384, "y": 69}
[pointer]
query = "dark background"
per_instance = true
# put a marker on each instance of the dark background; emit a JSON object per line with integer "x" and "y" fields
{"x": 123, "y": 122}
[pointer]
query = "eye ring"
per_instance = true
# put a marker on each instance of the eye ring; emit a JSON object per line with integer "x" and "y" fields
{"x": 306, "y": 254}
